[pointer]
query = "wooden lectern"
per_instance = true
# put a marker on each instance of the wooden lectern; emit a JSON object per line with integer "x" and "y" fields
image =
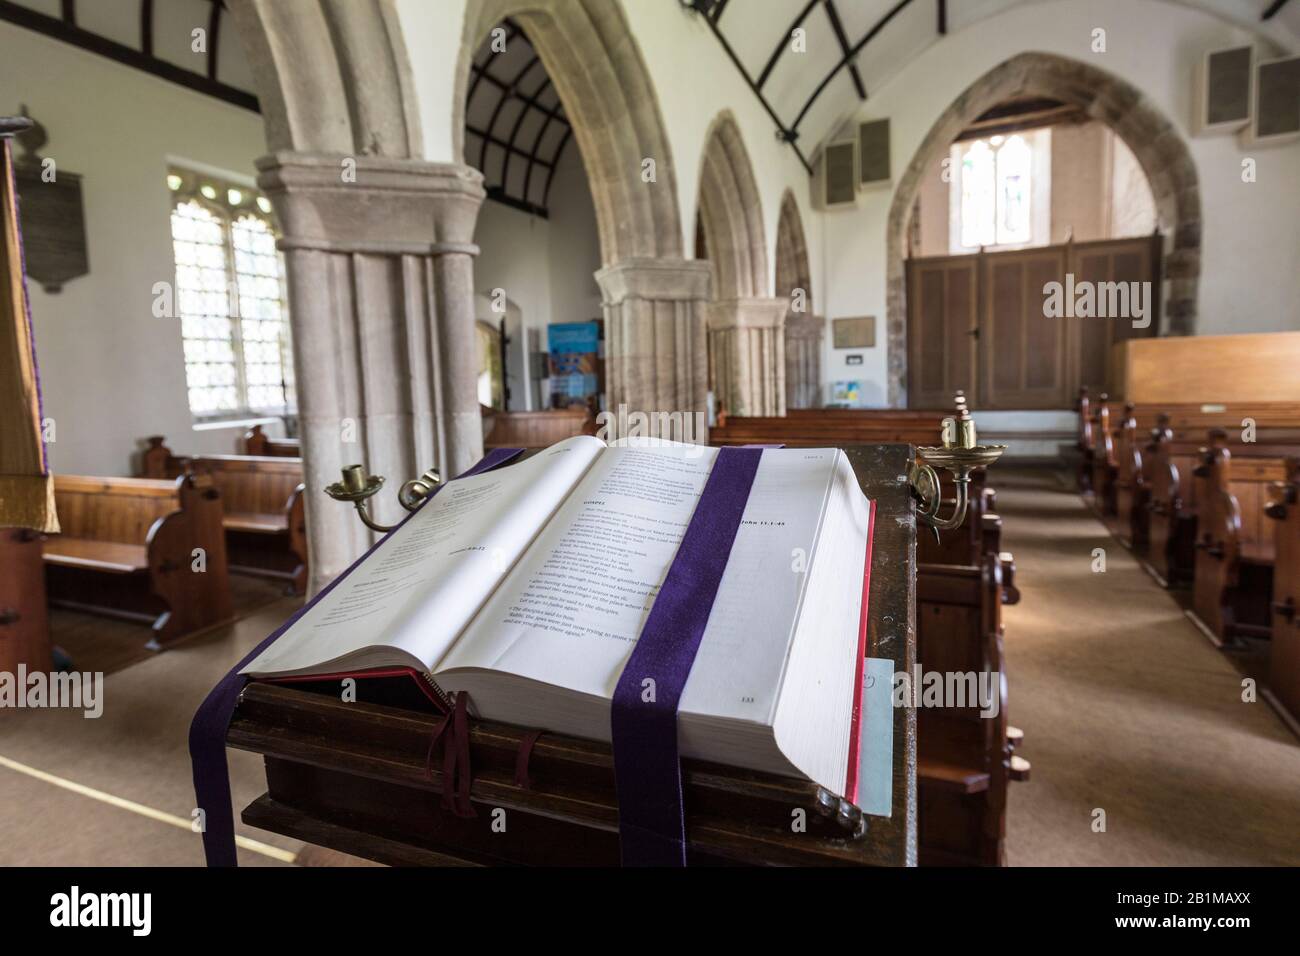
{"x": 354, "y": 776}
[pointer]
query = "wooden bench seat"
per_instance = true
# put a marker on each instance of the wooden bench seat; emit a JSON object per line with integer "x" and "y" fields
{"x": 111, "y": 557}
{"x": 265, "y": 522}
{"x": 151, "y": 551}
{"x": 952, "y": 777}
{"x": 257, "y": 523}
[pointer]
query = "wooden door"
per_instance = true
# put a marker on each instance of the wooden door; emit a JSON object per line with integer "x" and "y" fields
{"x": 1112, "y": 260}
{"x": 1023, "y": 352}
{"x": 943, "y": 297}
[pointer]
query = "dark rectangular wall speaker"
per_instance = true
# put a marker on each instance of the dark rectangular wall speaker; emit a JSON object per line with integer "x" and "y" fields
{"x": 1223, "y": 90}
{"x": 1277, "y": 102}
{"x": 873, "y": 152}
{"x": 839, "y": 173}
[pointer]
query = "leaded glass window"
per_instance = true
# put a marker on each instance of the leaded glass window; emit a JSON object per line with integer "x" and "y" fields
{"x": 230, "y": 299}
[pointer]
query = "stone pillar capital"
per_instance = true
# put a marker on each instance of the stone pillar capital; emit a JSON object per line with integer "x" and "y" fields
{"x": 659, "y": 280}
{"x": 800, "y": 325}
{"x": 747, "y": 313}
{"x": 372, "y": 205}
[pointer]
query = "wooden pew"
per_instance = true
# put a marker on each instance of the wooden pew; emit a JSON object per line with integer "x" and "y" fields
{"x": 815, "y": 428}
{"x": 24, "y": 620}
{"x": 264, "y": 518}
{"x": 128, "y": 550}
{"x": 257, "y": 443}
{"x": 964, "y": 761}
{"x": 535, "y": 429}
{"x": 1170, "y": 493}
{"x": 1283, "y": 507}
{"x": 812, "y": 428}
{"x": 1273, "y": 421}
{"x": 158, "y": 461}
{"x": 266, "y": 528}
{"x": 1233, "y": 577}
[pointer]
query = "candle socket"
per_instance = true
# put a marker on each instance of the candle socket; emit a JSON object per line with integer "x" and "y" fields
{"x": 354, "y": 477}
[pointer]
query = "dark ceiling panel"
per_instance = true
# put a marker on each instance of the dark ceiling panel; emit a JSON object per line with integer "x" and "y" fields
{"x": 515, "y": 127}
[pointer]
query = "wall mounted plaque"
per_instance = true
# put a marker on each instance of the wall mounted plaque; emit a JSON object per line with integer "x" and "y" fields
{"x": 855, "y": 333}
{"x": 52, "y": 214}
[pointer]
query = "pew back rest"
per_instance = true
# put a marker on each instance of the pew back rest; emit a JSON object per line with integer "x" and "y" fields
{"x": 252, "y": 484}
{"x": 257, "y": 443}
{"x": 1233, "y": 492}
{"x": 120, "y": 510}
{"x": 830, "y": 427}
{"x": 536, "y": 429}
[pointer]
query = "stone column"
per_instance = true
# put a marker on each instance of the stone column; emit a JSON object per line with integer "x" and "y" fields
{"x": 747, "y": 355}
{"x": 655, "y": 344}
{"x": 380, "y": 273}
{"x": 803, "y": 359}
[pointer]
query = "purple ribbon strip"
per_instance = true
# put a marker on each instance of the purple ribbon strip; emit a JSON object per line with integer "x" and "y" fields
{"x": 212, "y": 720}
{"x": 647, "y": 768}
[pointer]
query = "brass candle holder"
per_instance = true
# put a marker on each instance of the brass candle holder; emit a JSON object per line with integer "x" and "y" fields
{"x": 959, "y": 454}
{"x": 358, "y": 487}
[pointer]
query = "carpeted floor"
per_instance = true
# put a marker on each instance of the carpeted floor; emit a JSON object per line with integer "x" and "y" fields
{"x": 97, "y": 643}
{"x": 1128, "y": 708}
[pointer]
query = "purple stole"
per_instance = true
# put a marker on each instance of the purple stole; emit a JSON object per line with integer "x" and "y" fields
{"x": 643, "y": 719}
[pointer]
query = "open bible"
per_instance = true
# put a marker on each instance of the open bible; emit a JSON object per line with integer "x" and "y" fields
{"x": 528, "y": 586}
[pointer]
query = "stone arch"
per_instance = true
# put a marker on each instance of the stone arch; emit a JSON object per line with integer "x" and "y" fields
{"x": 332, "y": 77}
{"x": 804, "y": 329}
{"x": 746, "y": 345}
{"x": 378, "y": 255}
{"x": 1160, "y": 150}
{"x": 732, "y": 214}
{"x": 587, "y": 49}
{"x": 792, "y": 268}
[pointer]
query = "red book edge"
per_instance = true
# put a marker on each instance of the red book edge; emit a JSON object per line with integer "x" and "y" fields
{"x": 855, "y": 723}
{"x": 411, "y": 672}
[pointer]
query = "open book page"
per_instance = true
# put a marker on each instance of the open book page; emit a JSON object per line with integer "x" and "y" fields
{"x": 426, "y": 580}
{"x": 571, "y": 611}
{"x": 572, "y": 608}
{"x": 740, "y": 664}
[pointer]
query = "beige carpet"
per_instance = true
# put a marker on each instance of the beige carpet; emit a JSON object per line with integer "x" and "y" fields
{"x": 138, "y": 752}
{"x": 97, "y": 643}
{"x": 1127, "y": 708}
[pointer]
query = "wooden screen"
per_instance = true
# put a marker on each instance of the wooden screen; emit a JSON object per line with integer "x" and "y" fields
{"x": 980, "y": 322}
{"x": 942, "y": 292}
{"x": 1115, "y": 260}
{"x": 1023, "y": 354}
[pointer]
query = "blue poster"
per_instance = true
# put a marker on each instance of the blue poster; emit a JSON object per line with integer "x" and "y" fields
{"x": 574, "y": 349}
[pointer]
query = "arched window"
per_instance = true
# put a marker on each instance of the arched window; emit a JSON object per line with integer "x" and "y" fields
{"x": 1000, "y": 192}
{"x": 230, "y": 299}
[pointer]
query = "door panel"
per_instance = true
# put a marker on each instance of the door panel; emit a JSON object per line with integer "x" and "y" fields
{"x": 942, "y": 303}
{"x": 1023, "y": 350}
